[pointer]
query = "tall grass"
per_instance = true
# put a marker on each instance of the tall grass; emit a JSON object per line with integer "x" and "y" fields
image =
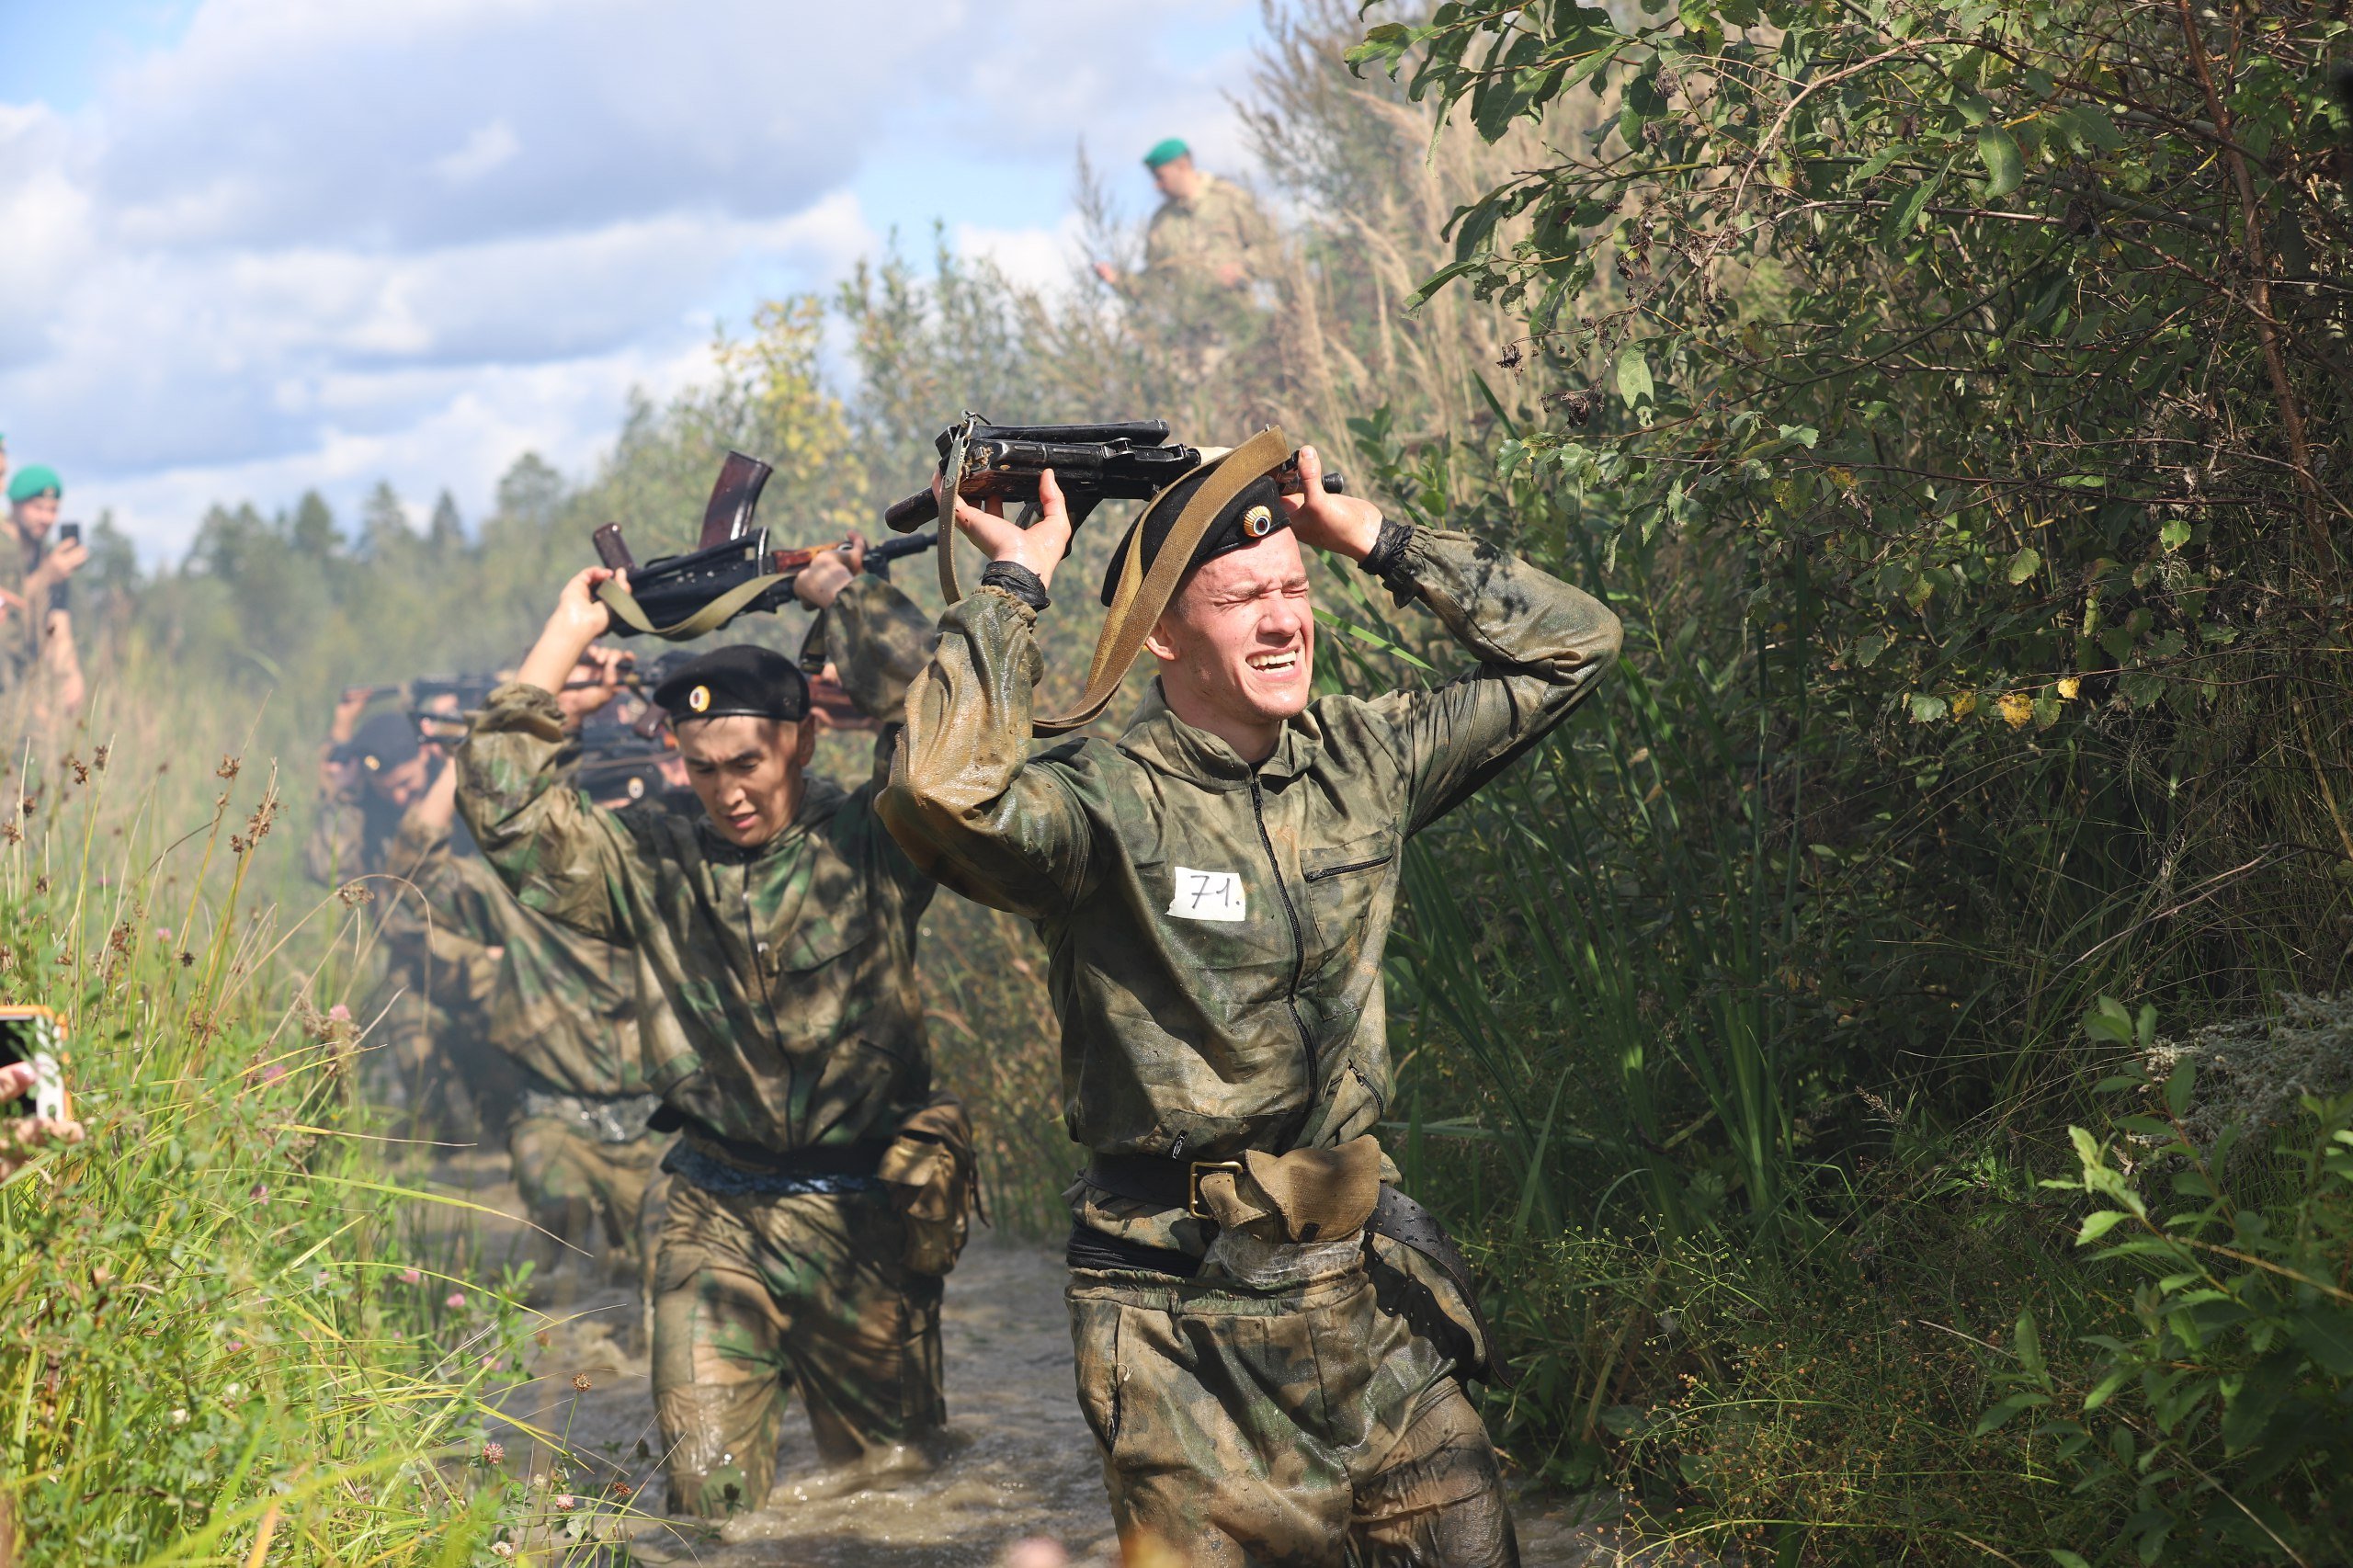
{"x": 222, "y": 1335}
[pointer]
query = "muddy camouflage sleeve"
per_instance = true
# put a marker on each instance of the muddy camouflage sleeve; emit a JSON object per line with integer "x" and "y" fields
{"x": 879, "y": 640}
{"x": 560, "y": 855}
{"x": 964, "y": 800}
{"x": 1541, "y": 643}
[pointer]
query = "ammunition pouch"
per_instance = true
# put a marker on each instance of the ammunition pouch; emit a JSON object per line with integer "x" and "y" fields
{"x": 931, "y": 1173}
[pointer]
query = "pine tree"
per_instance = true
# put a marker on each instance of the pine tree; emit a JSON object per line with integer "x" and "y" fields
{"x": 313, "y": 531}
{"x": 383, "y": 521}
{"x": 446, "y": 532}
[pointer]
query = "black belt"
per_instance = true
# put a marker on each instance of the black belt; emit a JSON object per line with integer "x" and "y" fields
{"x": 1145, "y": 1178}
{"x": 1091, "y": 1248}
{"x": 861, "y": 1158}
{"x": 1175, "y": 1184}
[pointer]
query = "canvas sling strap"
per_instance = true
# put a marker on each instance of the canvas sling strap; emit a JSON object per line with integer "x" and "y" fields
{"x": 710, "y": 617}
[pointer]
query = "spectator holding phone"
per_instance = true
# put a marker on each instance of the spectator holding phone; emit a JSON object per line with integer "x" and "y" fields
{"x": 22, "y": 1137}
{"x": 37, "y": 637}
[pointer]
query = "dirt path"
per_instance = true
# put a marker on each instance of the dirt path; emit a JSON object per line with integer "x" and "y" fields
{"x": 1021, "y": 1464}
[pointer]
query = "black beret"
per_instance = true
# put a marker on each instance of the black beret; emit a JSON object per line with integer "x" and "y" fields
{"x": 736, "y": 679}
{"x": 1247, "y": 518}
{"x": 385, "y": 741}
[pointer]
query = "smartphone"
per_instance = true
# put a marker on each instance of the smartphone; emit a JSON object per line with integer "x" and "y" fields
{"x": 60, "y": 596}
{"x": 36, "y": 1035}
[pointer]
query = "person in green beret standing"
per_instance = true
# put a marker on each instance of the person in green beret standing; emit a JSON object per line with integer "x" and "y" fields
{"x": 37, "y": 651}
{"x": 1207, "y": 237}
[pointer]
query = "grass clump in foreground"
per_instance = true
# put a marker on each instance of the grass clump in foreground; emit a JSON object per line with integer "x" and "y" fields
{"x": 214, "y": 1344}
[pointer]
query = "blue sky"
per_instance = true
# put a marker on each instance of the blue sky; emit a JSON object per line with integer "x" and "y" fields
{"x": 251, "y": 246}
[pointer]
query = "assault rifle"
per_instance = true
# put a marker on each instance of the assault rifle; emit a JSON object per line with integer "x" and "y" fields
{"x": 616, "y": 763}
{"x": 1130, "y": 461}
{"x": 730, "y": 572}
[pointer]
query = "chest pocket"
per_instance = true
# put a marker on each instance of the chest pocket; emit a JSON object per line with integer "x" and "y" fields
{"x": 817, "y": 947}
{"x": 1341, "y": 882}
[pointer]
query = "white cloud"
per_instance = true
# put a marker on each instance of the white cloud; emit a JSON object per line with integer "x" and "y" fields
{"x": 314, "y": 243}
{"x": 485, "y": 150}
{"x": 1048, "y": 259}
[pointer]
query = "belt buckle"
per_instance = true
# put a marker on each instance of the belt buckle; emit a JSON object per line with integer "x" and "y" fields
{"x": 1193, "y": 1176}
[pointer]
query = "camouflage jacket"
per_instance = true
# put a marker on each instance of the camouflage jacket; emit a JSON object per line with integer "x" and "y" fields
{"x": 1215, "y": 929}
{"x": 1188, "y": 239}
{"x": 775, "y": 986}
{"x": 560, "y": 1004}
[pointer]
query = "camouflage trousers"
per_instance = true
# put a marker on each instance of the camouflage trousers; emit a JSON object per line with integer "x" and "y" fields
{"x": 757, "y": 1295}
{"x": 1311, "y": 1424}
{"x": 576, "y": 1184}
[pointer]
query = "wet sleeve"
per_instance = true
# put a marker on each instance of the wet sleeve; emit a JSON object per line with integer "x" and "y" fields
{"x": 559, "y": 853}
{"x": 879, "y": 641}
{"x": 1541, "y": 644}
{"x": 964, "y": 800}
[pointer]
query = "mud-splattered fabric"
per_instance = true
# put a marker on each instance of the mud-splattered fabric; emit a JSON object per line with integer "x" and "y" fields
{"x": 778, "y": 1002}
{"x": 1216, "y": 929}
{"x": 1307, "y": 1426}
{"x": 756, "y": 1296}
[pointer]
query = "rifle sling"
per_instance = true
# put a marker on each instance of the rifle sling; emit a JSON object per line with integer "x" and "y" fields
{"x": 1140, "y": 599}
{"x": 710, "y": 617}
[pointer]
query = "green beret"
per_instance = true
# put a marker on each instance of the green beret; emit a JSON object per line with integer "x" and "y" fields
{"x": 39, "y": 479}
{"x": 1166, "y": 151}
{"x": 737, "y": 679}
{"x": 1247, "y": 518}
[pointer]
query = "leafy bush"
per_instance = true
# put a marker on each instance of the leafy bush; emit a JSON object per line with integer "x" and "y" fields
{"x": 2220, "y": 1421}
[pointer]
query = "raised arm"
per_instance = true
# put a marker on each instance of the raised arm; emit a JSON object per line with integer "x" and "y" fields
{"x": 878, "y": 638}
{"x": 1542, "y": 646}
{"x": 560, "y": 855}
{"x": 964, "y": 800}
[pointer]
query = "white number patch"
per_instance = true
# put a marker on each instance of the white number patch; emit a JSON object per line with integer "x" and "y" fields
{"x": 1209, "y": 895}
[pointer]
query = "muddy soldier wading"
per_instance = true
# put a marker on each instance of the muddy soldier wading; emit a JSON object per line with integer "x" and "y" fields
{"x": 819, "y": 1179}
{"x": 1271, "y": 1340}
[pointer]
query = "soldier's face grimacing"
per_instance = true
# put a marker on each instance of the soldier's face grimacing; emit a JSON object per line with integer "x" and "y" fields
{"x": 1238, "y": 641}
{"x": 746, "y": 772}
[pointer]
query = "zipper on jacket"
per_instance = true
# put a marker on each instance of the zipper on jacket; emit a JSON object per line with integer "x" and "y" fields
{"x": 1298, "y": 938}
{"x": 764, "y": 980}
{"x": 1318, "y": 876}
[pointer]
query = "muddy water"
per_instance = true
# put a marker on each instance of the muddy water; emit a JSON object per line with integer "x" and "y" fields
{"x": 1020, "y": 1465}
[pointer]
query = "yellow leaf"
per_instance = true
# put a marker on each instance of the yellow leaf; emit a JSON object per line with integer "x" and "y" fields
{"x": 2018, "y": 709}
{"x": 2068, "y": 686}
{"x": 1964, "y": 704}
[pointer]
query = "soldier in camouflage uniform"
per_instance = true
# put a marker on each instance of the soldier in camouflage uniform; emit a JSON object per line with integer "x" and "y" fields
{"x": 1208, "y": 235}
{"x": 563, "y": 1011}
{"x": 773, "y": 941}
{"x": 430, "y": 1005}
{"x": 38, "y": 658}
{"x": 1269, "y": 1382}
